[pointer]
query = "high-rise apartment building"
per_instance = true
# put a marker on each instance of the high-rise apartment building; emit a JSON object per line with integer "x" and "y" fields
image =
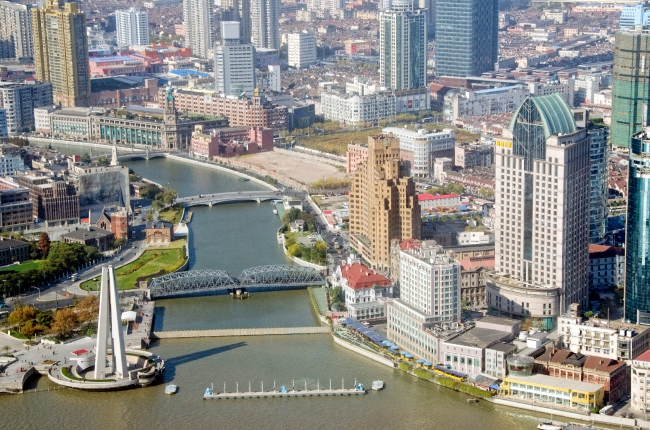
{"x": 383, "y": 202}
{"x": 633, "y": 15}
{"x": 240, "y": 11}
{"x": 637, "y": 237}
{"x": 197, "y": 21}
{"x": 61, "y": 51}
{"x": 542, "y": 214}
{"x": 430, "y": 7}
{"x": 466, "y": 37}
{"x": 302, "y": 49}
{"x": 599, "y": 175}
{"x": 20, "y": 100}
{"x": 132, "y": 27}
{"x": 16, "y": 38}
{"x": 234, "y": 70}
{"x": 630, "y": 84}
{"x": 265, "y": 26}
{"x": 402, "y": 46}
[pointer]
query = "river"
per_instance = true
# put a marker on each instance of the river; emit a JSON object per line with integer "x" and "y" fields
{"x": 234, "y": 237}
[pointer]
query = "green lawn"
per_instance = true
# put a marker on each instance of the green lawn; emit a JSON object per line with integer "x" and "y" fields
{"x": 152, "y": 263}
{"x": 172, "y": 214}
{"x": 31, "y": 264}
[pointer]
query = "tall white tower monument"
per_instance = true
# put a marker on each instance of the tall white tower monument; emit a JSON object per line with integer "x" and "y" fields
{"x": 109, "y": 328}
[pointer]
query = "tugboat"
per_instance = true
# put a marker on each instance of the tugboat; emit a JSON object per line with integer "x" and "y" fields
{"x": 239, "y": 293}
{"x": 244, "y": 179}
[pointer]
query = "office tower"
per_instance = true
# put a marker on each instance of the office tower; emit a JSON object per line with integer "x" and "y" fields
{"x": 16, "y": 38}
{"x": 630, "y": 83}
{"x": 637, "y": 237}
{"x": 301, "y": 49}
{"x": 599, "y": 175}
{"x": 402, "y": 46}
{"x": 383, "y": 202}
{"x": 240, "y": 11}
{"x": 197, "y": 20}
{"x": 234, "y": 70}
{"x": 542, "y": 214}
{"x": 430, "y": 6}
{"x": 20, "y": 100}
{"x": 61, "y": 51}
{"x": 132, "y": 27}
{"x": 265, "y": 26}
{"x": 466, "y": 37}
{"x": 633, "y": 15}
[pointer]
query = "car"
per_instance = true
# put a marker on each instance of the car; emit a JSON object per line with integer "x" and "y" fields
{"x": 119, "y": 259}
{"x": 133, "y": 247}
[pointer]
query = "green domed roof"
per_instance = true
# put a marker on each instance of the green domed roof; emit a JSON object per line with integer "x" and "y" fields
{"x": 554, "y": 111}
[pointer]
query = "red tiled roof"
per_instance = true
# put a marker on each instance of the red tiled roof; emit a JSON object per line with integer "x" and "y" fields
{"x": 644, "y": 357}
{"x": 604, "y": 251}
{"x": 477, "y": 262}
{"x": 602, "y": 364}
{"x": 425, "y": 196}
{"x": 409, "y": 244}
{"x": 360, "y": 277}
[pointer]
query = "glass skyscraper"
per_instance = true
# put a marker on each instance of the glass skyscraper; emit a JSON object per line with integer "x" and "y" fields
{"x": 637, "y": 248}
{"x": 466, "y": 37}
{"x": 599, "y": 172}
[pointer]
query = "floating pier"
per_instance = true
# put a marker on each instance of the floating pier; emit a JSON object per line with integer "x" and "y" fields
{"x": 283, "y": 392}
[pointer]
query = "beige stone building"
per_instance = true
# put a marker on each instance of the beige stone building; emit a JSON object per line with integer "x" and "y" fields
{"x": 383, "y": 203}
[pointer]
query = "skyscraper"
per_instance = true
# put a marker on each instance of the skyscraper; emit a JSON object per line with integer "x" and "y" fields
{"x": 240, "y": 11}
{"x": 599, "y": 189}
{"x": 265, "y": 26}
{"x": 402, "y": 46}
{"x": 61, "y": 51}
{"x": 197, "y": 21}
{"x": 234, "y": 70}
{"x": 542, "y": 214}
{"x": 630, "y": 84}
{"x": 383, "y": 202}
{"x": 132, "y": 27}
{"x": 16, "y": 38}
{"x": 301, "y": 49}
{"x": 466, "y": 37}
{"x": 637, "y": 237}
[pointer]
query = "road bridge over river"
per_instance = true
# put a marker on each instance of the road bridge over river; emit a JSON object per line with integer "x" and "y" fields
{"x": 211, "y": 282}
{"x": 231, "y": 197}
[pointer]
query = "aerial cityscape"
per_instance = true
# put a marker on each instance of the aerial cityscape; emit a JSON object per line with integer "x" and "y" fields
{"x": 434, "y": 212}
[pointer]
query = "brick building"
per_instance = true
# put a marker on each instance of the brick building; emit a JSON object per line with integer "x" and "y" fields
{"x": 55, "y": 201}
{"x": 13, "y": 251}
{"x": 129, "y": 96}
{"x": 92, "y": 236}
{"x": 249, "y": 112}
{"x": 117, "y": 222}
{"x": 356, "y": 153}
{"x": 159, "y": 233}
{"x": 230, "y": 141}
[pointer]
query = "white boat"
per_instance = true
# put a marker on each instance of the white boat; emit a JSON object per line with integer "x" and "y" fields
{"x": 275, "y": 211}
{"x": 377, "y": 385}
{"x": 549, "y": 426}
{"x": 171, "y": 389}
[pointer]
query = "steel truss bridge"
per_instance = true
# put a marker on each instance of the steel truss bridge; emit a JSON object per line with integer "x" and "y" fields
{"x": 261, "y": 278}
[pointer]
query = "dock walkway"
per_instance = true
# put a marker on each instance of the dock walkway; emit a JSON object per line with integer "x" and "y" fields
{"x": 297, "y": 393}
{"x": 181, "y": 334}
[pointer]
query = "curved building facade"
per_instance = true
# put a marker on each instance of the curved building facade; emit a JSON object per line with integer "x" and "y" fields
{"x": 637, "y": 254}
{"x": 542, "y": 214}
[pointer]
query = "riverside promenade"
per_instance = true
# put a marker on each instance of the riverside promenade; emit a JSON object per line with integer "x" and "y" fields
{"x": 273, "y": 331}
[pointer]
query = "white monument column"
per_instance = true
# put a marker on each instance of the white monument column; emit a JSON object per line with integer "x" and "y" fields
{"x": 102, "y": 327}
{"x": 119, "y": 356}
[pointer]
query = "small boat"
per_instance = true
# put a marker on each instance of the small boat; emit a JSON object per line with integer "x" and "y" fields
{"x": 171, "y": 389}
{"x": 239, "y": 293}
{"x": 472, "y": 400}
{"x": 244, "y": 179}
{"x": 549, "y": 425}
{"x": 275, "y": 211}
{"x": 377, "y": 385}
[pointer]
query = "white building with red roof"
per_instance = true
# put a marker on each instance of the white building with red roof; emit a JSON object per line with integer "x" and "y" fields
{"x": 363, "y": 288}
{"x": 429, "y": 201}
{"x": 639, "y": 397}
{"x": 606, "y": 266}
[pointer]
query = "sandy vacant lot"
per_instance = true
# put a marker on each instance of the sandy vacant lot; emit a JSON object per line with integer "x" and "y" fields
{"x": 296, "y": 166}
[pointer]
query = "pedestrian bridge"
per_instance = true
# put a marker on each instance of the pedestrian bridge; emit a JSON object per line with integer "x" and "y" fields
{"x": 232, "y": 197}
{"x": 207, "y": 282}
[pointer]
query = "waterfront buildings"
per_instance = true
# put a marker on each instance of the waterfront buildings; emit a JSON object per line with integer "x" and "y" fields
{"x": 132, "y": 27}
{"x": 606, "y": 266}
{"x": 234, "y": 73}
{"x": 383, "y": 204}
{"x": 601, "y": 337}
{"x": 466, "y": 37}
{"x": 420, "y": 148}
{"x": 198, "y": 26}
{"x": 91, "y": 236}
{"x": 302, "y": 49}
{"x": 19, "y": 102}
{"x": 265, "y": 26}
{"x": 496, "y": 357}
{"x": 16, "y": 37}
{"x": 542, "y": 214}
{"x": 640, "y": 383}
{"x": 631, "y": 81}
{"x": 159, "y": 233}
{"x": 363, "y": 289}
{"x": 637, "y": 242}
{"x": 562, "y": 392}
{"x": 61, "y": 51}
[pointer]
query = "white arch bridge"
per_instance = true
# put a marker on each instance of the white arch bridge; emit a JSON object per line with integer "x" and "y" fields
{"x": 207, "y": 282}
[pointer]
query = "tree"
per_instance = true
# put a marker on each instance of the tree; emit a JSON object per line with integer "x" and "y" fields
{"x": 65, "y": 321}
{"x": 150, "y": 215}
{"x": 86, "y": 158}
{"x": 294, "y": 250}
{"x": 44, "y": 244}
{"x": 588, "y": 314}
{"x": 168, "y": 196}
{"x": 21, "y": 315}
{"x": 337, "y": 295}
{"x": 87, "y": 309}
{"x": 102, "y": 161}
{"x": 290, "y": 215}
{"x": 119, "y": 242}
